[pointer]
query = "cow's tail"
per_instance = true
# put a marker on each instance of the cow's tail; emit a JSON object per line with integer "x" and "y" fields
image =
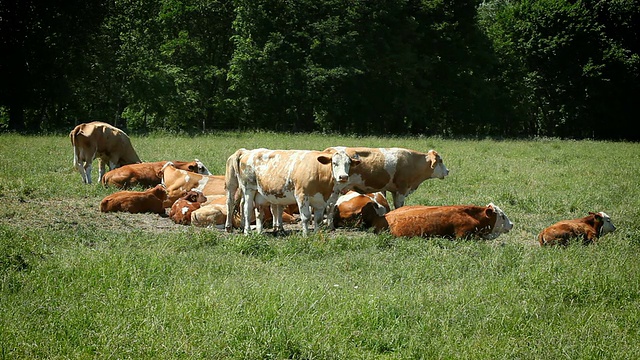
{"x": 76, "y": 149}
{"x": 232, "y": 184}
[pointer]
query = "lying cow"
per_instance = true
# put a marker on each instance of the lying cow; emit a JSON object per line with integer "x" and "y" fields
{"x": 455, "y": 221}
{"x": 182, "y": 209}
{"x": 147, "y": 174}
{"x": 283, "y": 177}
{"x": 397, "y": 170}
{"x": 178, "y": 182}
{"x": 214, "y": 213}
{"x": 109, "y": 144}
{"x": 134, "y": 202}
{"x": 349, "y": 207}
{"x": 588, "y": 229}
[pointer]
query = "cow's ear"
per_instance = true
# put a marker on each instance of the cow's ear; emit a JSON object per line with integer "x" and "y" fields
{"x": 355, "y": 161}
{"x": 432, "y": 158}
{"x": 597, "y": 216}
{"x": 489, "y": 211}
{"x": 324, "y": 159}
{"x": 193, "y": 168}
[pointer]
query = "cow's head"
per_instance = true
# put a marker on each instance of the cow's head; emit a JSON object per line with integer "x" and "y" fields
{"x": 439, "y": 170}
{"x": 502, "y": 224}
{"x": 341, "y": 164}
{"x": 194, "y": 196}
{"x": 198, "y": 167}
{"x": 607, "y": 225}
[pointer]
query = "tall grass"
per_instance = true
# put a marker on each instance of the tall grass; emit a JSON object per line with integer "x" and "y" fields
{"x": 74, "y": 285}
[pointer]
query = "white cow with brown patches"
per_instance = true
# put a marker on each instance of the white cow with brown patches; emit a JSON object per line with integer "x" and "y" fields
{"x": 397, "y": 170}
{"x": 109, "y": 144}
{"x": 283, "y": 177}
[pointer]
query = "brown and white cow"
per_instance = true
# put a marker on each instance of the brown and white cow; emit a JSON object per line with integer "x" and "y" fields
{"x": 283, "y": 177}
{"x": 147, "y": 174}
{"x": 397, "y": 170}
{"x": 134, "y": 202}
{"x": 178, "y": 182}
{"x": 214, "y": 213}
{"x": 588, "y": 229}
{"x": 455, "y": 221}
{"x": 349, "y": 207}
{"x": 109, "y": 144}
{"x": 182, "y": 209}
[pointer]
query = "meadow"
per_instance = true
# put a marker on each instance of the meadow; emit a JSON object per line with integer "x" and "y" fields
{"x": 77, "y": 283}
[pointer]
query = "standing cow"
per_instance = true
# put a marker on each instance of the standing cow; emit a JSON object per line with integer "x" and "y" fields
{"x": 397, "y": 170}
{"x": 108, "y": 143}
{"x": 283, "y": 177}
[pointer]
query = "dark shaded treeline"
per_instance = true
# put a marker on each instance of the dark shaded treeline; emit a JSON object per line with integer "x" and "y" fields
{"x": 452, "y": 68}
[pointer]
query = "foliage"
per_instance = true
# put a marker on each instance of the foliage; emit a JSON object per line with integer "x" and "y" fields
{"x": 514, "y": 68}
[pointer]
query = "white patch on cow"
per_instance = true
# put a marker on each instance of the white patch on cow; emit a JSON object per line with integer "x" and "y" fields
{"x": 187, "y": 178}
{"x": 201, "y": 183}
{"x": 502, "y": 225}
{"x": 390, "y": 160}
{"x": 607, "y": 225}
{"x": 185, "y": 210}
{"x": 347, "y": 197}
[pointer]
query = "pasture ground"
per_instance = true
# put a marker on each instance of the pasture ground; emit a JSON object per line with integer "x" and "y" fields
{"x": 76, "y": 283}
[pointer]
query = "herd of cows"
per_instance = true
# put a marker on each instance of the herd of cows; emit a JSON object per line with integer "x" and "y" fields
{"x": 339, "y": 186}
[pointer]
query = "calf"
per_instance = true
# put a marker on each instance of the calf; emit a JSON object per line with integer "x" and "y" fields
{"x": 588, "y": 228}
{"x": 109, "y": 144}
{"x": 134, "y": 202}
{"x": 178, "y": 182}
{"x": 283, "y": 177}
{"x": 147, "y": 174}
{"x": 182, "y": 209}
{"x": 455, "y": 221}
{"x": 349, "y": 207}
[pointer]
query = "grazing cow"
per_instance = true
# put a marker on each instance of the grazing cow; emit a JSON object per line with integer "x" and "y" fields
{"x": 588, "y": 228}
{"x": 146, "y": 174}
{"x": 349, "y": 207}
{"x": 97, "y": 139}
{"x": 182, "y": 209}
{"x": 399, "y": 171}
{"x": 455, "y": 221}
{"x": 178, "y": 182}
{"x": 134, "y": 202}
{"x": 283, "y": 177}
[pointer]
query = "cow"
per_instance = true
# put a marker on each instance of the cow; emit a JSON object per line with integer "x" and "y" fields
{"x": 454, "y": 221}
{"x": 182, "y": 208}
{"x": 214, "y": 213}
{"x": 148, "y": 201}
{"x": 146, "y": 174}
{"x": 178, "y": 182}
{"x": 589, "y": 229}
{"x": 349, "y": 206}
{"x": 397, "y": 170}
{"x": 307, "y": 178}
{"x": 109, "y": 144}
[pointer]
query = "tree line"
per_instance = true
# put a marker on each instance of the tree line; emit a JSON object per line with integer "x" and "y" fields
{"x": 505, "y": 68}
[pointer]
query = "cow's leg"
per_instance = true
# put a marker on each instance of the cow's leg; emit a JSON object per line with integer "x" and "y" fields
{"x": 318, "y": 214}
{"x": 305, "y": 213}
{"x": 276, "y": 212}
{"x": 331, "y": 209}
{"x": 398, "y": 200}
{"x": 87, "y": 172}
{"x": 247, "y": 209}
{"x": 232, "y": 188}
{"x": 258, "y": 209}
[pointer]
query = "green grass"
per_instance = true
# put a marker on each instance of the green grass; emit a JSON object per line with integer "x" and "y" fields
{"x": 75, "y": 283}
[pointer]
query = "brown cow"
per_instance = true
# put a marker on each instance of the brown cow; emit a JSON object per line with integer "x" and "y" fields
{"x": 588, "y": 228}
{"x": 349, "y": 207}
{"x": 97, "y": 139}
{"x": 397, "y": 170}
{"x": 134, "y": 202}
{"x": 283, "y": 177}
{"x": 455, "y": 221}
{"x": 182, "y": 209}
{"x": 146, "y": 174}
{"x": 178, "y": 182}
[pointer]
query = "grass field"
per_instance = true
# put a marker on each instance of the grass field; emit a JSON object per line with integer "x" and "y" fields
{"x": 76, "y": 283}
